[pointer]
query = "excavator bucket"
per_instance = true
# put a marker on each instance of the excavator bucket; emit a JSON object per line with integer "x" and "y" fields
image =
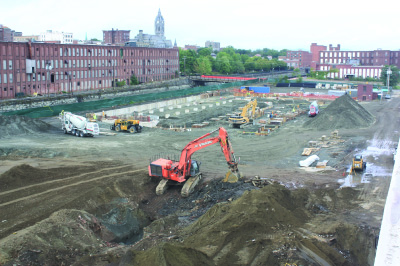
{"x": 231, "y": 177}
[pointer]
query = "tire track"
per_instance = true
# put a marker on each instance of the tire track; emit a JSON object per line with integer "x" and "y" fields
{"x": 60, "y": 180}
{"x": 69, "y": 185}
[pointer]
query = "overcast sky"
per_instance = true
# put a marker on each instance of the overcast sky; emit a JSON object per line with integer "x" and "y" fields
{"x": 249, "y": 24}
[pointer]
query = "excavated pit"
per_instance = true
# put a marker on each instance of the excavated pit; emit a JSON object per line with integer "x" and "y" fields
{"x": 104, "y": 211}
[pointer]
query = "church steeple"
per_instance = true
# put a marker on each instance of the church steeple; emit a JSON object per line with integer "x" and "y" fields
{"x": 159, "y": 24}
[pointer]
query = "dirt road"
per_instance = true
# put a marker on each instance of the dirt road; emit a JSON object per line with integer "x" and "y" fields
{"x": 46, "y": 171}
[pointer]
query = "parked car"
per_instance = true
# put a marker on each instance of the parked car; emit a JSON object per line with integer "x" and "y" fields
{"x": 387, "y": 96}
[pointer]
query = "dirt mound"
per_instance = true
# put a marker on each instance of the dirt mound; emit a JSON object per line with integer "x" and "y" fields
{"x": 263, "y": 227}
{"x": 54, "y": 241}
{"x": 16, "y": 125}
{"x": 344, "y": 112}
{"x": 20, "y": 175}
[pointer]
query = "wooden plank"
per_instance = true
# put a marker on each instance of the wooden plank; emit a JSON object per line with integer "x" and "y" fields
{"x": 307, "y": 151}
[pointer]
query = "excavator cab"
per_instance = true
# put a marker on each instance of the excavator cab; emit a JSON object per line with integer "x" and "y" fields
{"x": 195, "y": 168}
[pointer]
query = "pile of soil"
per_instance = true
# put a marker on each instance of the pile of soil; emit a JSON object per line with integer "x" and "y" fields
{"x": 17, "y": 125}
{"x": 268, "y": 226}
{"x": 57, "y": 240}
{"x": 344, "y": 112}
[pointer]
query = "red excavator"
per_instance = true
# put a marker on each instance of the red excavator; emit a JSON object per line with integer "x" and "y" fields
{"x": 187, "y": 171}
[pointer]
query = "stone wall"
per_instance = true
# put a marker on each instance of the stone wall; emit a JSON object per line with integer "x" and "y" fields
{"x": 85, "y": 96}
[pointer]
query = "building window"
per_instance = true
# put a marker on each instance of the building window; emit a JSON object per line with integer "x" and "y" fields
{"x": 364, "y": 88}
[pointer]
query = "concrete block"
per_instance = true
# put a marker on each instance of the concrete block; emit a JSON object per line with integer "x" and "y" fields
{"x": 177, "y": 113}
{"x": 210, "y": 105}
{"x": 151, "y": 112}
{"x": 167, "y": 115}
{"x": 179, "y": 106}
{"x": 224, "y": 102}
{"x": 161, "y": 110}
{"x": 170, "y": 108}
{"x": 195, "y": 109}
{"x": 217, "y": 104}
{"x": 203, "y": 107}
{"x": 230, "y": 101}
{"x": 187, "y": 111}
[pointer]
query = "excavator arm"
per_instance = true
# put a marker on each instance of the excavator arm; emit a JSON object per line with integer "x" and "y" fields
{"x": 203, "y": 142}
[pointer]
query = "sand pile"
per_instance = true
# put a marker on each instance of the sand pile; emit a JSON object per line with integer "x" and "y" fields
{"x": 17, "y": 125}
{"x": 344, "y": 112}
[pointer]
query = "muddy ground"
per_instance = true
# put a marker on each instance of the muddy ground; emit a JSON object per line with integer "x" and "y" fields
{"x": 66, "y": 200}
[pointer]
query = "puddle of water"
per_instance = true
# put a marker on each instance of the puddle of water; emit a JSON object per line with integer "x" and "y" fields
{"x": 378, "y": 148}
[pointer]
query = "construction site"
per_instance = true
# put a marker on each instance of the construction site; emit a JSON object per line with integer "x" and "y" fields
{"x": 145, "y": 184}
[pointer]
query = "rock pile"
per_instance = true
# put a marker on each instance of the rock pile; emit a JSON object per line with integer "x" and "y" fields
{"x": 344, "y": 112}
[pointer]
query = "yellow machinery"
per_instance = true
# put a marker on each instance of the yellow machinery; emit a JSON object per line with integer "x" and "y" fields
{"x": 243, "y": 118}
{"x": 127, "y": 125}
{"x": 358, "y": 164}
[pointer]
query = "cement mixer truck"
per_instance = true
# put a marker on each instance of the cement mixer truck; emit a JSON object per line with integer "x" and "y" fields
{"x": 78, "y": 125}
{"x": 314, "y": 110}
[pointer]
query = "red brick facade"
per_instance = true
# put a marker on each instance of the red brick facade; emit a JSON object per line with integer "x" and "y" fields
{"x": 78, "y": 67}
{"x": 116, "y": 36}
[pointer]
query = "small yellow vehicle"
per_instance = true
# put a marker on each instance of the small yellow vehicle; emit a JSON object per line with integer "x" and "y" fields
{"x": 129, "y": 125}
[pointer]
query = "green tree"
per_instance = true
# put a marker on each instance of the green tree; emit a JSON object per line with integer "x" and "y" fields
{"x": 204, "y": 51}
{"x": 133, "y": 80}
{"x": 393, "y": 78}
{"x": 203, "y": 65}
{"x": 121, "y": 83}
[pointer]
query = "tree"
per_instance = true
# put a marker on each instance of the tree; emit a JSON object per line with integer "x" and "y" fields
{"x": 204, "y": 51}
{"x": 393, "y": 78}
{"x": 203, "y": 65}
{"x": 133, "y": 80}
{"x": 121, "y": 83}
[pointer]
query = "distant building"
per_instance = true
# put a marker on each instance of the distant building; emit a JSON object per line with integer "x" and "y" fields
{"x": 24, "y": 68}
{"x": 56, "y": 37}
{"x": 302, "y": 58}
{"x": 364, "y": 92}
{"x": 153, "y": 41}
{"x": 216, "y": 46}
{"x": 6, "y": 34}
{"x": 117, "y": 37}
{"x": 190, "y": 47}
{"x": 33, "y": 38}
{"x": 364, "y": 64}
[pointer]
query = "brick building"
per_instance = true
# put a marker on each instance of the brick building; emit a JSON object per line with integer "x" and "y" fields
{"x": 28, "y": 68}
{"x": 303, "y": 58}
{"x": 118, "y": 37}
{"x": 6, "y": 34}
{"x": 364, "y": 92}
{"x": 349, "y": 63}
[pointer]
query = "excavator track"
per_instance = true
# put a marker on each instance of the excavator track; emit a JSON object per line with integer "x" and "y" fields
{"x": 190, "y": 184}
{"x": 162, "y": 187}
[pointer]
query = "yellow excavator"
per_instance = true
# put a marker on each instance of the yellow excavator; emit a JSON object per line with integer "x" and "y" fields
{"x": 243, "y": 118}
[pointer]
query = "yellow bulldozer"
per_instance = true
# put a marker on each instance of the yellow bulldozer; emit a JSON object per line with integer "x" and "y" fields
{"x": 129, "y": 125}
{"x": 243, "y": 117}
{"x": 358, "y": 164}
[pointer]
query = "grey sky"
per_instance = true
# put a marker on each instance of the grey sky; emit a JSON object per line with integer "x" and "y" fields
{"x": 250, "y": 24}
